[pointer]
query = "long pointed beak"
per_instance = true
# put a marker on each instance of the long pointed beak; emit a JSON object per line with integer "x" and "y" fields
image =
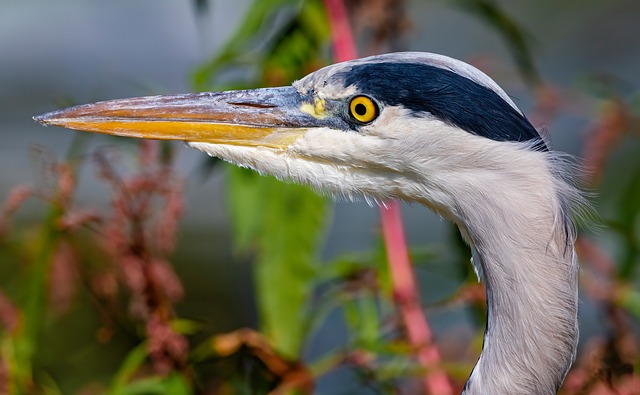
{"x": 272, "y": 117}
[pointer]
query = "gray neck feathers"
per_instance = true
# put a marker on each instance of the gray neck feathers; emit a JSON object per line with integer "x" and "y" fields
{"x": 523, "y": 250}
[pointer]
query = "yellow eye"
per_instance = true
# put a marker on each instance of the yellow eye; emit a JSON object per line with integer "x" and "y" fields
{"x": 363, "y": 109}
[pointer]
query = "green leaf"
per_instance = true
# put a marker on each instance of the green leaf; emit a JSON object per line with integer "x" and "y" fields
{"x": 630, "y": 300}
{"x": 173, "y": 384}
{"x": 49, "y": 385}
{"x": 247, "y": 209}
{"x": 284, "y": 222}
{"x": 285, "y": 272}
{"x": 129, "y": 367}
{"x": 369, "y": 328}
{"x": 361, "y": 316}
{"x": 185, "y": 326}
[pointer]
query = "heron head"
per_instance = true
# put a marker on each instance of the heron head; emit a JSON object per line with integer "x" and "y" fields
{"x": 386, "y": 126}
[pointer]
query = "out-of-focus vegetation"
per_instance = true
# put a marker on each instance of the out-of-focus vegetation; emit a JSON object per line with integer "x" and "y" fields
{"x": 114, "y": 268}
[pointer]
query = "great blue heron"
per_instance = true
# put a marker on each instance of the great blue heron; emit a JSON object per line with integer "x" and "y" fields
{"x": 418, "y": 127}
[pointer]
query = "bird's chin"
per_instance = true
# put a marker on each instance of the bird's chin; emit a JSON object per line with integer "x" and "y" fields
{"x": 274, "y": 160}
{"x": 261, "y": 158}
{"x": 341, "y": 182}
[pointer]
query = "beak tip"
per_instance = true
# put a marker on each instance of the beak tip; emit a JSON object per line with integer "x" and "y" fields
{"x": 40, "y": 118}
{"x": 47, "y": 118}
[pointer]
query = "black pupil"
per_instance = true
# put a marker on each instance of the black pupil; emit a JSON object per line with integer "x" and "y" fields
{"x": 360, "y": 109}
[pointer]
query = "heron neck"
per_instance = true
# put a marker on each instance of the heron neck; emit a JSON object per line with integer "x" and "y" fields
{"x": 524, "y": 254}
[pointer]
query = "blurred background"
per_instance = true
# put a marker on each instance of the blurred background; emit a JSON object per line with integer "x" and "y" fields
{"x": 129, "y": 267}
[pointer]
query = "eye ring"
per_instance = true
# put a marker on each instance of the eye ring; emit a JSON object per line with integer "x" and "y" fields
{"x": 363, "y": 109}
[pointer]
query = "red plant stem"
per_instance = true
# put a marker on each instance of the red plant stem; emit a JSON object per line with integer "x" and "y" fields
{"x": 344, "y": 47}
{"x": 405, "y": 290}
{"x": 407, "y": 296}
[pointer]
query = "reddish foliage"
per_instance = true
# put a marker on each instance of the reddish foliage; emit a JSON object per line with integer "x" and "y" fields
{"x": 66, "y": 183}
{"x": 606, "y": 363}
{"x": 72, "y": 221}
{"x": 167, "y": 349}
{"x": 9, "y": 317}
{"x": 139, "y": 233}
{"x": 160, "y": 272}
{"x": 604, "y": 136}
{"x": 63, "y": 278}
{"x": 14, "y": 200}
{"x": 381, "y": 22}
{"x": 16, "y": 197}
{"x": 548, "y": 101}
{"x": 105, "y": 285}
{"x": 601, "y": 372}
{"x": 4, "y": 377}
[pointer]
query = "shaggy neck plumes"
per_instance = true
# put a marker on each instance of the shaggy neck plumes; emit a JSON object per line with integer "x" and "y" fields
{"x": 523, "y": 250}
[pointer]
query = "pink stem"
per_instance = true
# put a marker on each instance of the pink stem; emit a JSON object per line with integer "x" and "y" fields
{"x": 341, "y": 37}
{"x": 407, "y": 297}
{"x": 405, "y": 289}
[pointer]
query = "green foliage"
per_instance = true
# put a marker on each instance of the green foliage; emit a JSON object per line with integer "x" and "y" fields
{"x": 292, "y": 46}
{"x": 173, "y": 384}
{"x": 284, "y": 222}
{"x": 619, "y": 206}
{"x": 129, "y": 367}
{"x": 630, "y": 300}
{"x": 363, "y": 319}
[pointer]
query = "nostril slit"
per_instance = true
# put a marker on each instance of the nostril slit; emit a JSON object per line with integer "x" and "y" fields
{"x": 251, "y": 104}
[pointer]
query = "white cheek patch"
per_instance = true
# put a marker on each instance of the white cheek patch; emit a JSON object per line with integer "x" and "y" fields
{"x": 345, "y": 170}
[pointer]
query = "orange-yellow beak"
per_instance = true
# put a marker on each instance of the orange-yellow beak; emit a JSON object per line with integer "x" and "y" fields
{"x": 271, "y": 117}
